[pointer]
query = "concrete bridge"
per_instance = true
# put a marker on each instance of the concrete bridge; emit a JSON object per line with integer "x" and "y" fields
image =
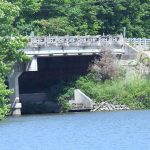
{"x": 57, "y": 58}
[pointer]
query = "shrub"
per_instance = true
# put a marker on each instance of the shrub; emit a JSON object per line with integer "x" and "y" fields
{"x": 4, "y": 107}
{"x": 62, "y": 92}
{"x": 104, "y": 66}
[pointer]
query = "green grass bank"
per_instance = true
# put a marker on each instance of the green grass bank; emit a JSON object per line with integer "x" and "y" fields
{"x": 133, "y": 92}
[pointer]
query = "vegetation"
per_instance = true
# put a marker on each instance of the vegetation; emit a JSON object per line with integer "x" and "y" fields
{"x": 9, "y": 53}
{"x": 80, "y": 17}
{"x": 62, "y": 92}
{"x": 4, "y": 107}
{"x": 132, "y": 92}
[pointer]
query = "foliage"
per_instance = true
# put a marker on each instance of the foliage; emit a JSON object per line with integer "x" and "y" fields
{"x": 133, "y": 92}
{"x": 62, "y": 92}
{"x": 124, "y": 13}
{"x": 53, "y": 26}
{"x": 80, "y": 17}
{"x": 9, "y": 54}
{"x": 104, "y": 66}
{"x": 4, "y": 107}
{"x": 9, "y": 46}
{"x": 8, "y": 13}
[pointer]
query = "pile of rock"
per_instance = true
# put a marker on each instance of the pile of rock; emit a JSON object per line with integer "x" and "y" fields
{"x": 105, "y": 106}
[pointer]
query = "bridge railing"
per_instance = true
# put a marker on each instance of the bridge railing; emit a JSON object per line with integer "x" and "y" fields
{"x": 49, "y": 41}
{"x": 139, "y": 42}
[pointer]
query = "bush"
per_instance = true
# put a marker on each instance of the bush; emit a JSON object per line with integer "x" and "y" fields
{"x": 4, "y": 107}
{"x": 104, "y": 66}
{"x": 62, "y": 93}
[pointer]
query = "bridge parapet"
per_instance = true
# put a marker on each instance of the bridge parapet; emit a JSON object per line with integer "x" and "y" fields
{"x": 54, "y": 41}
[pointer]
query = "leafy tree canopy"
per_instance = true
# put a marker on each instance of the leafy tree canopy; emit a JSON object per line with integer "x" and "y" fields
{"x": 9, "y": 47}
{"x": 81, "y": 17}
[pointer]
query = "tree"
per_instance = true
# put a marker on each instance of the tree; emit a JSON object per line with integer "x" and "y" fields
{"x": 9, "y": 53}
{"x": 80, "y": 17}
{"x": 104, "y": 66}
{"x": 27, "y": 13}
{"x": 53, "y": 26}
{"x": 125, "y": 13}
{"x": 4, "y": 107}
{"x": 8, "y": 13}
{"x": 67, "y": 17}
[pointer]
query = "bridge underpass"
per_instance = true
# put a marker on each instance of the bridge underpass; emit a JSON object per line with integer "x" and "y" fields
{"x": 51, "y": 71}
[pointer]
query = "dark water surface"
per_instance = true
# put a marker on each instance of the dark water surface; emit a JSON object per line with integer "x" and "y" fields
{"x": 128, "y": 130}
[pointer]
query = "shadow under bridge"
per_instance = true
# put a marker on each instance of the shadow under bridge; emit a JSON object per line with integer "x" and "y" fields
{"x": 37, "y": 88}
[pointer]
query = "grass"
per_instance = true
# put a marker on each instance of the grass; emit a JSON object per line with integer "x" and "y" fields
{"x": 132, "y": 92}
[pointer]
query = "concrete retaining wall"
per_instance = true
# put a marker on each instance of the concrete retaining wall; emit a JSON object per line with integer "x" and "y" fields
{"x": 130, "y": 52}
{"x": 81, "y": 101}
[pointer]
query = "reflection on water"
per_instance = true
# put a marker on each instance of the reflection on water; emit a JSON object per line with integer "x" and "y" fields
{"x": 127, "y": 130}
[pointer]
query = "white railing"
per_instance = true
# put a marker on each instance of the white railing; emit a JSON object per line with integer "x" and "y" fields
{"x": 139, "y": 42}
{"x": 49, "y": 41}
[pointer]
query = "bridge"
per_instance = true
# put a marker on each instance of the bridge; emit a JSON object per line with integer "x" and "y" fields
{"x": 59, "y": 57}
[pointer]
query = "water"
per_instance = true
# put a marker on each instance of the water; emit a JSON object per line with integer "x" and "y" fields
{"x": 129, "y": 130}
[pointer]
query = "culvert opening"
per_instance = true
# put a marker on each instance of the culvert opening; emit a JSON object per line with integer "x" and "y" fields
{"x": 39, "y": 89}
